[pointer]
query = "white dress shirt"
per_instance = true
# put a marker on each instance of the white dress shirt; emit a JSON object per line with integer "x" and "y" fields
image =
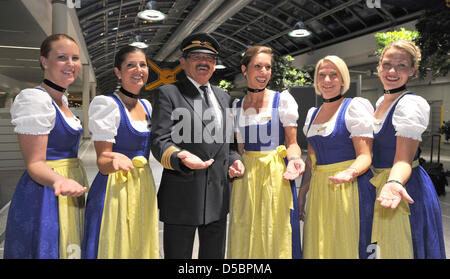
{"x": 212, "y": 97}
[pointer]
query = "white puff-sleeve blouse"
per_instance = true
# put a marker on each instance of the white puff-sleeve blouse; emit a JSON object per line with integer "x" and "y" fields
{"x": 410, "y": 118}
{"x": 287, "y": 110}
{"x": 33, "y": 113}
{"x": 104, "y": 118}
{"x": 358, "y": 120}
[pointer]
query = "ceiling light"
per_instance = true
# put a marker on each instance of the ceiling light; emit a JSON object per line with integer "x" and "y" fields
{"x": 138, "y": 42}
{"x": 151, "y": 15}
{"x": 299, "y": 30}
{"x": 243, "y": 53}
{"x": 220, "y": 65}
{"x": 151, "y": 12}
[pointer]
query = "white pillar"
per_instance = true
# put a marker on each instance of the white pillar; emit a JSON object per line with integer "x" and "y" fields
{"x": 59, "y": 17}
{"x": 85, "y": 100}
{"x": 9, "y": 100}
{"x": 93, "y": 90}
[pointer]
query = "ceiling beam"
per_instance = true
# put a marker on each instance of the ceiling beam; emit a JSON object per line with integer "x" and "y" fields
{"x": 198, "y": 15}
{"x": 124, "y": 32}
{"x": 105, "y": 10}
{"x": 229, "y": 9}
{"x": 308, "y": 21}
{"x": 258, "y": 18}
{"x": 360, "y": 32}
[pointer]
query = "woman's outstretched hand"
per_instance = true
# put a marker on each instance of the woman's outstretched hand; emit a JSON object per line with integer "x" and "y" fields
{"x": 391, "y": 195}
{"x": 294, "y": 169}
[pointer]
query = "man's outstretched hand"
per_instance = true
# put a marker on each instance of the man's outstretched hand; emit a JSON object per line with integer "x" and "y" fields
{"x": 192, "y": 161}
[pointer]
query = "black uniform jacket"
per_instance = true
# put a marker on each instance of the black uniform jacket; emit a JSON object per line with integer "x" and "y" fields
{"x": 180, "y": 122}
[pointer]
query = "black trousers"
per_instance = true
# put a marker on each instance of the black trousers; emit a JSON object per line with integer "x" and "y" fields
{"x": 179, "y": 240}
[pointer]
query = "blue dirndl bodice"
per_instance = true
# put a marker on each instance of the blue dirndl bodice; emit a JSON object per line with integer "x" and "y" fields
{"x": 266, "y": 136}
{"x": 63, "y": 140}
{"x": 385, "y": 142}
{"x": 337, "y": 146}
{"x": 129, "y": 141}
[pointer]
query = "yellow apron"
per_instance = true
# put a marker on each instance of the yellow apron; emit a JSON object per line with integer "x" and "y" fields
{"x": 261, "y": 201}
{"x": 331, "y": 229}
{"x": 129, "y": 228}
{"x": 391, "y": 229}
{"x": 71, "y": 209}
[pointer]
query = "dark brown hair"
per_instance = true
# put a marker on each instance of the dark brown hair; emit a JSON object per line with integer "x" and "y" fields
{"x": 250, "y": 52}
{"x": 46, "y": 45}
{"x": 122, "y": 55}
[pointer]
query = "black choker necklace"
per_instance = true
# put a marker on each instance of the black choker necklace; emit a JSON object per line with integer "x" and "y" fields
{"x": 255, "y": 90}
{"x": 129, "y": 94}
{"x": 395, "y": 90}
{"x": 332, "y": 99}
{"x": 54, "y": 86}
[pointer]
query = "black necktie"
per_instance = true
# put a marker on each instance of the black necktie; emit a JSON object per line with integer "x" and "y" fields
{"x": 204, "y": 88}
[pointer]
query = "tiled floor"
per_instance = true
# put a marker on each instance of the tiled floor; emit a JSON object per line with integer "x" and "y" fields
{"x": 87, "y": 154}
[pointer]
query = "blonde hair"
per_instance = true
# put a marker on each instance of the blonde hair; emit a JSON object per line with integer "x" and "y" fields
{"x": 342, "y": 68}
{"x": 407, "y": 46}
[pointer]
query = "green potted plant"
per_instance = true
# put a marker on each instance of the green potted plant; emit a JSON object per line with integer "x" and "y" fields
{"x": 285, "y": 75}
{"x": 383, "y": 39}
{"x": 433, "y": 41}
{"x": 226, "y": 85}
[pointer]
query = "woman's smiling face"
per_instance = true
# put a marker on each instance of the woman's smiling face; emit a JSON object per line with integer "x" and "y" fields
{"x": 258, "y": 71}
{"x": 330, "y": 81}
{"x": 395, "y": 68}
{"x": 62, "y": 64}
{"x": 133, "y": 71}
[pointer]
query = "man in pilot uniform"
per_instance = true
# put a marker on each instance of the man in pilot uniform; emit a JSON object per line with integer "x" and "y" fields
{"x": 191, "y": 128}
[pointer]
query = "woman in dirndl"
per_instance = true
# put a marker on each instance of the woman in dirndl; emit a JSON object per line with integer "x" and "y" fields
{"x": 121, "y": 211}
{"x": 46, "y": 214}
{"x": 264, "y": 219}
{"x": 407, "y": 216}
{"x": 339, "y": 203}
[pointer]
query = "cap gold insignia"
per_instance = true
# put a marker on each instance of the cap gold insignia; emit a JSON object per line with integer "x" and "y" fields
{"x": 200, "y": 44}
